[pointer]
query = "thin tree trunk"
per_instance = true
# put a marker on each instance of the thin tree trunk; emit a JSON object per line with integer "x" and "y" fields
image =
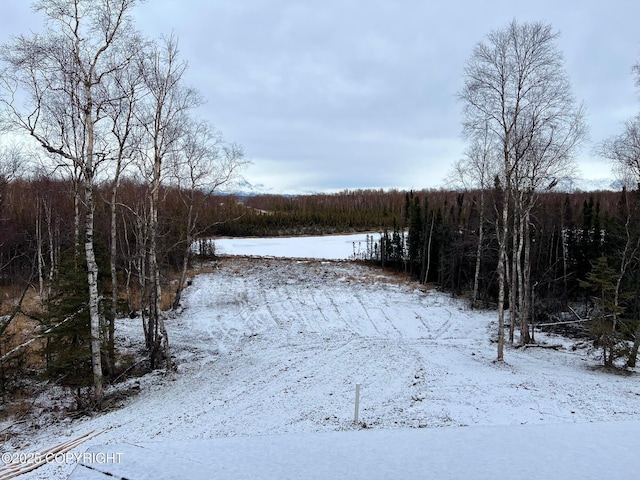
{"x": 76, "y": 217}
{"x": 156, "y": 326}
{"x": 130, "y": 262}
{"x": 514, "y": 274}
{"x": 185, "y": 258}
{"x": 40, "y": 255}
{"x": 565, "y": 255}
{"x": 423, "y": 251}
{"x": 111, "y": 354}
{"x": 52, "y": 248}
{"x": 525, "y": 308}
{"x": 143, "y": 278}
{"x": 519, "y": 262}
{"x": 533, "y": 312}
{"x": 428, "y": 267}
{"x": 502, "y": 258}
{"x": 155, "y": 288}
{"x": 183, "y": 276}
{"x": 476, "y": 276}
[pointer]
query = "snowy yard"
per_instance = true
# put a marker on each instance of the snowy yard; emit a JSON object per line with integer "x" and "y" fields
{"x": 275, "y": 347}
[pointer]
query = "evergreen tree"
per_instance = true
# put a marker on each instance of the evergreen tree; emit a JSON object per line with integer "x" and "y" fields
{"x": 604, "y": 325}
{"x": 397, "y": 246}
{"x": 68, "y": 345}
{"x": 585, "y": 244}
{"x": 414, "y": 239}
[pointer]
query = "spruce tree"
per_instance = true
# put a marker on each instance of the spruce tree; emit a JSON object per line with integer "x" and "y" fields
{"x": 604, "y": 324}
{"x": 68, "y": 344}
{"x": 414, "y": 239}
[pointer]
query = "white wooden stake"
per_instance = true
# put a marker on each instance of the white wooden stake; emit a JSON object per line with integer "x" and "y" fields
{"x": 357, "y": 410}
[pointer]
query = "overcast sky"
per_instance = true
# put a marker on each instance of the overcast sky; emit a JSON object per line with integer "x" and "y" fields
{"x": 334, "y": 94}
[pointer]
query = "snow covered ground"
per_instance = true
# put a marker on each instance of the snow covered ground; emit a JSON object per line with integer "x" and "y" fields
{"x": 275, "y": 348}
{"x": 337, "y": 247}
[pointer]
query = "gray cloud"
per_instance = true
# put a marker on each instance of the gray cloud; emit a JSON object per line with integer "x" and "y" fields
{"x": 352, "y": 94}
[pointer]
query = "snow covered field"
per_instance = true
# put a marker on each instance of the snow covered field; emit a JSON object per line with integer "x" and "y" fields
{"x": 337, "y": 247}
{"x": 276, "y": 347}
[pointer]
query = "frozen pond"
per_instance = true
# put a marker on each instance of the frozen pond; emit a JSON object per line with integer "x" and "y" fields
{"x": 330, "y": 247}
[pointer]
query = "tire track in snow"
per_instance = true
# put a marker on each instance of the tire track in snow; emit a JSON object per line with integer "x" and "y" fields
{"x": 423, "y": 322}
{"x": 319, "y": 309}
{"x": 366, "y": 312}
{"x": 340, "y": 317}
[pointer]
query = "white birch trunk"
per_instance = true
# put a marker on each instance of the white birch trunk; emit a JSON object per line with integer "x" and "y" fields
{"x": 39, "y": 242}
{"x": 476, "y": 275}
{"x": 92, "y": 265}
{"x": 114, "y": 273}
{"x": 513, "y": 275}
{"x": 94, "y": 297}
{"x": 502, "y": 259}
{"x": 52, "y": 249}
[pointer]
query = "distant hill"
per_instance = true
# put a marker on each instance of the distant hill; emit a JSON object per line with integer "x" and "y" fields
{"x": 569, "y": 185}
{"x": 589, "y": 185}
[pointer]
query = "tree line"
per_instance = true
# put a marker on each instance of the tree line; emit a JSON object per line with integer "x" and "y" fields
{"x": 438, "y": 237}
{"x": 106, "y": 133}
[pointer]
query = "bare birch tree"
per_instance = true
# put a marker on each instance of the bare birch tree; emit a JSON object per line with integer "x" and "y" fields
{"x": 476, "y": 171}
{"x": 12, "y": 163}
{"x": 517, "y": 88}
{"x": 164, "y": 118}
{"x": 202, "y": 166}
{"x": 54, "y": 92}
{"x": 124, "y": 87}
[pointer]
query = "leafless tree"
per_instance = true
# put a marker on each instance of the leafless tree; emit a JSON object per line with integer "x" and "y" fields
{"x": 124, "y": 87}
{"x": 54, "y": 91}
{"x": 547, "y": 159}
{"x": 164, "y": 117}
{"x": 623, "y": 151}
{"x": 476, "y": 171}
{"x": 517, "y": 89}
{"x": 202, "y": 166}
{"x": 12, "y": 164}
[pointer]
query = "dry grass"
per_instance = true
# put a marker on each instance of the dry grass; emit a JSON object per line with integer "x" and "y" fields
{"x": 10, "y": 296}
{"x": 169, "y": 286}
{"x": 22, "y": 328}
{"x": 166, "y": 299}
{"x": 21, "y": 404}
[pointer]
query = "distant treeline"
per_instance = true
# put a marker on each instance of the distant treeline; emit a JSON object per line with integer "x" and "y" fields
{"x": 569, "y": 232}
